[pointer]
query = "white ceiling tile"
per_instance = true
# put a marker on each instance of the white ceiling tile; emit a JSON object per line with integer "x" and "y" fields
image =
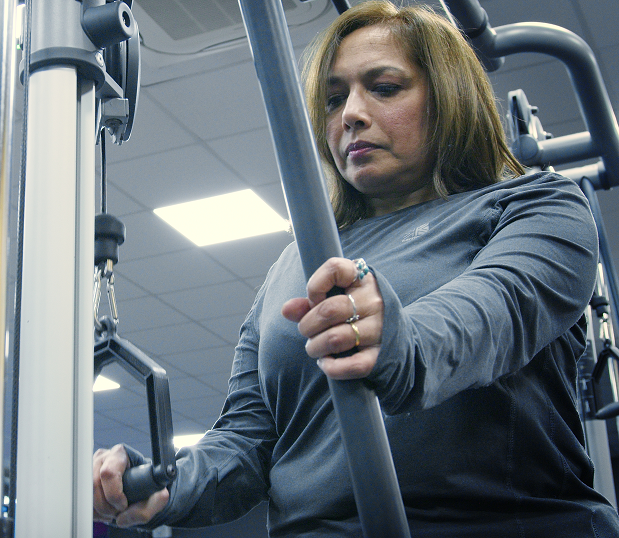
{"x": 207, "y": 364}
{"x": 252, "y": 256}
{"x": 189, "y": 268}
{"x": 147, "y": 312}
{"x": 217, "y": 380}
{"x": 156, "y": 72}
{"x": 175, "y": 176}
{"x": 124, "y": 289}
{"x": 187, "y": 426}
{"x": 176, "y": 338}
{"x": 135, "y": 416}
{"x": 212, "y": 301}
{"x": 102, "y": 422}
{"x": 117, "y": 203}
{"x": 226, "y": 327}
{"x": 251, "y": 154}
{"x": 200, "y": 408}
{"x": 188, "y": 387}
{"x": 215, "y": 104}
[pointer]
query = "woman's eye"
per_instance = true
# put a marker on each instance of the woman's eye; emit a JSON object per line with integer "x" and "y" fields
{"x": 386, "y": 90}
{"x": 334, "y": 101}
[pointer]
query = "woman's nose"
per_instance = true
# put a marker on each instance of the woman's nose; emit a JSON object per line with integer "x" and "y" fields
{"x": 355, "y": 113}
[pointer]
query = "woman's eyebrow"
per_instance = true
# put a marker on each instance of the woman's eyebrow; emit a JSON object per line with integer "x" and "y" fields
{"x": 371, "y": 73}
{"x": 384, "y": 69}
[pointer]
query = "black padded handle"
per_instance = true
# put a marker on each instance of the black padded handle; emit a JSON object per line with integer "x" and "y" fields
{"x": 139, "y": 483}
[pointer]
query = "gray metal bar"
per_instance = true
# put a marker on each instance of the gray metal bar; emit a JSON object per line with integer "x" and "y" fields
{"x": 595, "y": 173}
{"x": 586, "y": 78}
{"x": 605, "y": 254}
{"x": 567, "y": 149}
{"x": 474, "y": 22}
{"x": 575, "y": 54}
{"x": 375, "y": 485}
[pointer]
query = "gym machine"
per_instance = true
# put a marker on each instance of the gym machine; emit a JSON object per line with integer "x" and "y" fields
{"x": 69, "y": 73}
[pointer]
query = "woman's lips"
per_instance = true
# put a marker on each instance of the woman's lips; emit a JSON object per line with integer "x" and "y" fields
{"x": 359, "y": 149}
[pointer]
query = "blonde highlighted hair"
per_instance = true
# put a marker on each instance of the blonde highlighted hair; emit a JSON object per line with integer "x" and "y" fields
{"x": 467, "y": 140}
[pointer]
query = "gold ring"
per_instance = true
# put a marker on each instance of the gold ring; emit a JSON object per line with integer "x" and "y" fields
{"x": 357, "y": 335}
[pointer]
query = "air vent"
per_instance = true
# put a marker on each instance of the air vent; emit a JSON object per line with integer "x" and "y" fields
{"x": 180, "y": 27}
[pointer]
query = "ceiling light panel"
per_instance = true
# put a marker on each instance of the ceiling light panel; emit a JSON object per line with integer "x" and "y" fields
{"x": 223, "y": 218}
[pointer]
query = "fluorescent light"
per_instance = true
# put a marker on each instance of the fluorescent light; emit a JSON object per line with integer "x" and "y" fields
{"x": 187, "y": 440}
{"x": 103, "y": 383}
{"x": 223, "y": 218}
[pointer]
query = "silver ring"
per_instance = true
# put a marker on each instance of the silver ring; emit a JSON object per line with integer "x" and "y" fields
{"x": 362, "y": 269}
{"x": 357, "y": 335}
{"x": 355, "y": 316}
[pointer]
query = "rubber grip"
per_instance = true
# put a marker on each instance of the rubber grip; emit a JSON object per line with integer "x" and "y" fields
{"x": 139, "y": 483}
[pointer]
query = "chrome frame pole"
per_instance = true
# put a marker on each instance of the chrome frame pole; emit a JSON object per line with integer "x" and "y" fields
{"x": 55, "y": 444}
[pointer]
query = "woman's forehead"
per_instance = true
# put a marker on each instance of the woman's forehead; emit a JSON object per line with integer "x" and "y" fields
{"x": 368, "y": 48}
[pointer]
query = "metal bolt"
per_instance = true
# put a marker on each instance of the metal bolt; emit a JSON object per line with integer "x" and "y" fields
{"x": 99, "y": 59}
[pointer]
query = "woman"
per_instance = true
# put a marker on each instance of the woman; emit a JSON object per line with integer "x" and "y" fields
{"x": 468, "y": 323}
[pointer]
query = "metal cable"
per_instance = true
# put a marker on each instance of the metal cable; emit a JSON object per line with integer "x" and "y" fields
{"x": 103, "y": 173}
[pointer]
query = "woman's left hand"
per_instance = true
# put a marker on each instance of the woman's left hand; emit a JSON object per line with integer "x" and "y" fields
{"x": 329, "y": 323}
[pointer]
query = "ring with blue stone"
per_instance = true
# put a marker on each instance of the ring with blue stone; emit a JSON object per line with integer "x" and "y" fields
{"x": 362, "y": 269}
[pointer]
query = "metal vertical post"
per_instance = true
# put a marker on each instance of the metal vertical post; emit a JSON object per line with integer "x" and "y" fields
{"x": 7, "y": 91}
{"x": 83, "y": 425}
{"x": 54, "y": 468}
{"x": 610, "y": 275}
{"x": 56, "y": 346}
{"x": 373, "y": 476}
{"x": 596, "y": 434}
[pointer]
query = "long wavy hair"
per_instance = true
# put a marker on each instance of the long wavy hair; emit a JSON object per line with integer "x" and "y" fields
{"x": 466, "y": 137}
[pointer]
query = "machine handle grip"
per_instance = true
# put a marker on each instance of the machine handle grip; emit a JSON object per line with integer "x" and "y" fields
{"x": 139, "y": 483}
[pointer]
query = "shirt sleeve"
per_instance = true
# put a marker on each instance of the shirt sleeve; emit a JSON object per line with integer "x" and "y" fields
{"x": 226, "y": 473}
{"x": 527, "y": 286}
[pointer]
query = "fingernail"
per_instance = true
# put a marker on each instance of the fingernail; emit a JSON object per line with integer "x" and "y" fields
{"x": 319, "y": 363}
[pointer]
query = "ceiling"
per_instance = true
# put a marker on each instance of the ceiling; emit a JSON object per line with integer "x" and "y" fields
{"x": 201, "y": 130}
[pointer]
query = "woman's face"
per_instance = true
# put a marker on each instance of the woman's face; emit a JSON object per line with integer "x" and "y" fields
{"x": 377, "y": 121}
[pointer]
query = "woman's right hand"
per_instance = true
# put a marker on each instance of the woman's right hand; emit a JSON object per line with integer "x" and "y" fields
{"x": 109, "y": 501}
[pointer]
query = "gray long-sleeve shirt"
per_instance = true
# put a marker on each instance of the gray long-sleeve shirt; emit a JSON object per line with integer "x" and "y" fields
{"x": 483, "y": 295}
